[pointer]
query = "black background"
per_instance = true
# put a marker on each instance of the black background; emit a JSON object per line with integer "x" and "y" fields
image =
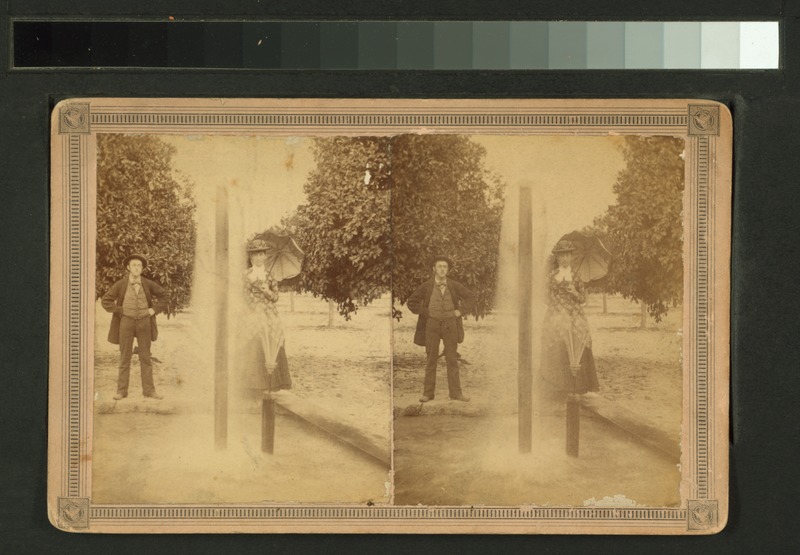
{"x": 766, "y": 247}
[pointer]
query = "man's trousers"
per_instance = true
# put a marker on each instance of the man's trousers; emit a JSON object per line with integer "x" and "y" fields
{"x": 130, "y": 328}
{"x": 444, "y": 331}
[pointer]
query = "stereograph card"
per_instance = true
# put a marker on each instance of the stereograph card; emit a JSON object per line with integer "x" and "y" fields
{"x": 389, "y": 316}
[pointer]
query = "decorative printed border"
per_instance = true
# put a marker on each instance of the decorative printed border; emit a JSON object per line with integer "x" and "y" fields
{"x": 701, "y": 125}
{"x": 367, "y": 120}
{"x": 74, "y": 223}
{"x": 704, "y": 425}
{"x": 102, "y": 512}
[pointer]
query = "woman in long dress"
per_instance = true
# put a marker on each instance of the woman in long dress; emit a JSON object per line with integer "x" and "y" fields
{"x": 566, "y": 341}
{"x": 262, "y": 330}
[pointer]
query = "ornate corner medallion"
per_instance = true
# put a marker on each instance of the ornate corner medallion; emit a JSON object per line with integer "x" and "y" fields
{"x": 74, "y": 118}
{"x": 73, "y": 512}
{"x": 702, "y": 514}
{"x": 703, "y": 119}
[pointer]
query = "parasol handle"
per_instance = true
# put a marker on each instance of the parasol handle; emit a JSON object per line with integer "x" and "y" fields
{"x": 575, "y": 359}
{"x": 569, "y": 347}
{"x": 269, "y": 369}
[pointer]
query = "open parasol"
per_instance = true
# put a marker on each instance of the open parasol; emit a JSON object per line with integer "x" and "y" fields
{"x": 591, "y": 258}
{"x": 284, "y": 257}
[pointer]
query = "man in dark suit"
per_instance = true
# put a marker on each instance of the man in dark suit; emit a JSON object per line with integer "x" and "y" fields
{"x": 134, "y": 302}
{"x": 440, "y": 303}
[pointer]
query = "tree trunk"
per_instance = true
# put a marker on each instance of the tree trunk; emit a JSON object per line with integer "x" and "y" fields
{"x": 331, "y": 312}
{"x": 605, "y": 304}
{"x": 291, "y": 301}
{"x": 643, "y": 325}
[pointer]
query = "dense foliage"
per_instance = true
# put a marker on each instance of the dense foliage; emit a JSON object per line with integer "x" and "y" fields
{"x": 644, "y": 229}
{"x": 142, "y": 208}
{"x": 444, "y": 202}
{"x": 380, "y": 208}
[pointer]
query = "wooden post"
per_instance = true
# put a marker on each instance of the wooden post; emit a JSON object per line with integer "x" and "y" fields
{"x": 268, "y": 424}
{"x": 573, "y": 424}
{"x": 221, "y": 339}
{"x": 525, "y": 356}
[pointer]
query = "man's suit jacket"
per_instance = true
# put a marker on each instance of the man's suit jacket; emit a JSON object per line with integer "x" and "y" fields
{"x": 113, "y": 299}
{"x": 463, "y": 300}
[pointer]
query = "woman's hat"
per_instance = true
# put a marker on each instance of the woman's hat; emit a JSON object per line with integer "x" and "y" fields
{"x": 257, "y": 245}
{"x": 135, "y": 257}
{"x": 563, "y": 246}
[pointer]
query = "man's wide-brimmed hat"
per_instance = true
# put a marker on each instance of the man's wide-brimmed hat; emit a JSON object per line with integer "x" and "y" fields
{"x": 563, "y": 246}
{"x": 444, "y": 258}
{"x": 135, "y": 257}
{"x": 257, "y": 245}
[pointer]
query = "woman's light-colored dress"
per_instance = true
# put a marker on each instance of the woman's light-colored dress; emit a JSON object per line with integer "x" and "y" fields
{"x": 566, "y": 329}
{"x": 263, "y": 334}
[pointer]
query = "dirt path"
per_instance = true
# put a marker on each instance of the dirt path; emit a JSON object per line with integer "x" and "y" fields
{"x": 463, "y": 453}
{"x": 164, "y": 449}
{"x": 170, "y": 459}
{"x": 456, "y": 460}
{"x": 345, "y": 368}
{"x": 455, "y": 453}
{"x": 639, "y": 369}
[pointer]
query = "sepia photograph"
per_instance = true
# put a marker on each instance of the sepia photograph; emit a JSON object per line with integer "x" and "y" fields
{"x": 389, "y": 316}
{"x": 575, "y": 246}
{"x": 259, "y": 382}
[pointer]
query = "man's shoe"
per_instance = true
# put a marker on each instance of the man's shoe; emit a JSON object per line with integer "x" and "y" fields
{"x": 119, "y": 396}
{"x": 154, "y": 395}
{"x": 425, "y": 399}
{"x": 461, "y": 397}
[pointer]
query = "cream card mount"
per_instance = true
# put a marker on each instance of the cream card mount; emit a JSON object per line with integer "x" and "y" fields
{"x": 245, "y": 333}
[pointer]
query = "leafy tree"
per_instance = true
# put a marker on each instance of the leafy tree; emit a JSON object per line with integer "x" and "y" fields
{"x": 380, "y": 208}
{"x": 344, "y": 226}
{"x": 644, "y": 227}
{"x": 444, "y": 202}
{"x": 142, "y": 208}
